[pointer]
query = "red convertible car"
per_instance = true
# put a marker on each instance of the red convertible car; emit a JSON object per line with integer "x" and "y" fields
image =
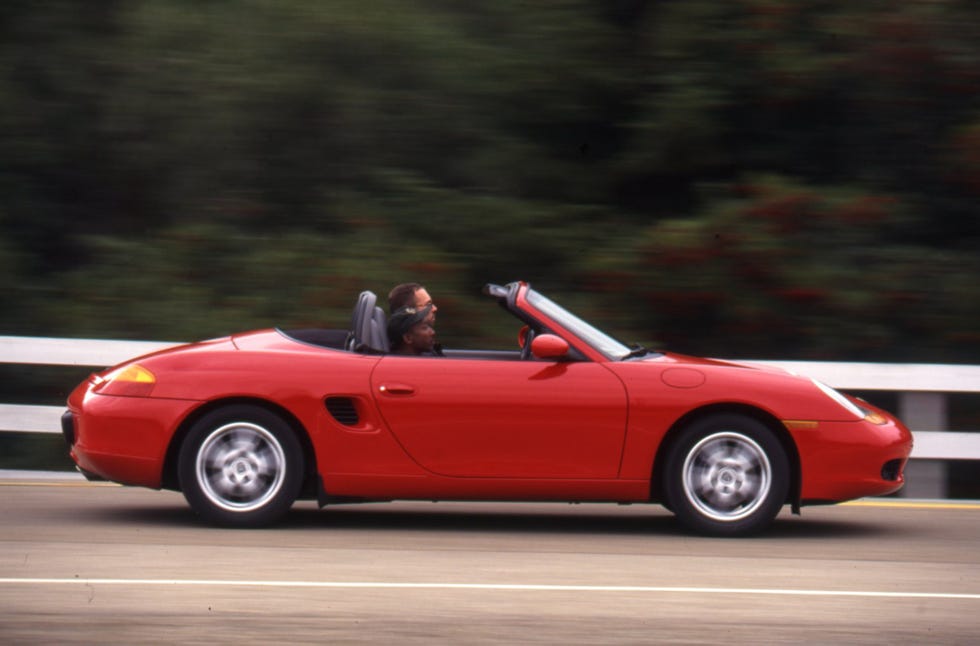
{"x": 245, "y": 425}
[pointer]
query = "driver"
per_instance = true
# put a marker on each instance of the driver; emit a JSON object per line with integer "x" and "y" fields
{"x": 411, "y": 295}
{"x": 411, "y": 333}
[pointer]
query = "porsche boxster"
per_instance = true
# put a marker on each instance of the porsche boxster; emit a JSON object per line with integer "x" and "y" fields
{"x": 246, "y": 425}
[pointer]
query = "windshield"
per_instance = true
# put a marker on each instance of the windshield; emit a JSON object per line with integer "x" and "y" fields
{"x": 605, "y": 344}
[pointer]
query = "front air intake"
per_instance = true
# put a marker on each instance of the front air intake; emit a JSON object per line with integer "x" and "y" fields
{"x": 892, "y": 470}
{"x": 343, "y": 410}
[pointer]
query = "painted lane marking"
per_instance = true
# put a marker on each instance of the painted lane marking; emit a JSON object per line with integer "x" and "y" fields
{"x": 510, "y": 587}
{"x": 34, "y": 483}
{"x": 912, "y": 504}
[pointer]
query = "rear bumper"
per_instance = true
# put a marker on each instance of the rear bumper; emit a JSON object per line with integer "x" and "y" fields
{"x": 68, "y": 427}
{"x": 122, "y": 439}
{"x": 68, "y": 431}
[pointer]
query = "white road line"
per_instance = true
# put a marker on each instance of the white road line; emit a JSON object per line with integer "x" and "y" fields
{"x": 513, "y": 587}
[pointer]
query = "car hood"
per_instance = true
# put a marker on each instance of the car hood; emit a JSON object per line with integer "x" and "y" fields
{"x": 784, "y": 394}
{"x": 694, "y": 362}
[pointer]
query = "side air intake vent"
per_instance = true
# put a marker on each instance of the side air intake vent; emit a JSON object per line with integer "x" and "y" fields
{"x": 343, "y": 410}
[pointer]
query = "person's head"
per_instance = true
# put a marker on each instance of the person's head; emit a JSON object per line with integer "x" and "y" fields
{"x": 411, "y": 295}
{"x": 410, "y": 330}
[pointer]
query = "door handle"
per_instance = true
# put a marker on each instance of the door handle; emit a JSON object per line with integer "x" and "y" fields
{"x": 396, "y": 389}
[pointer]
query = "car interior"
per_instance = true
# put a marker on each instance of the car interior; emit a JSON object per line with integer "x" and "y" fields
{"x": 368, "y": 334}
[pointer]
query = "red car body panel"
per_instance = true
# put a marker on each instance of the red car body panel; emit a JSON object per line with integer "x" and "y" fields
{"x": 504, "y": 419}
{"x": 124, "y": 439}
{"x": 478, "y": 427}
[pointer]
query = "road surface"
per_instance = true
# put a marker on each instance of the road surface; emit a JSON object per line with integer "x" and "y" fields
{"x": 88, "y": 563}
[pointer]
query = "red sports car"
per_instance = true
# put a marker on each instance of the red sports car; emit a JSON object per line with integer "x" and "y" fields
{"x": 245, "y": 425}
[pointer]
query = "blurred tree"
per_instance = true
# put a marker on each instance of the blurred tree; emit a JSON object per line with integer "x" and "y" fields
{"x": 733, "y": 177}
{"x": 774, "y": 263}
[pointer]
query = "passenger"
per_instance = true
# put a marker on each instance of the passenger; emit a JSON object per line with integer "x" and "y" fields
{"x": 411, "y": 295}
{"x": 411, "y": 333}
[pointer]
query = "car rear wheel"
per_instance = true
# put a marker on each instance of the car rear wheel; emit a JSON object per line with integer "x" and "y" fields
{"x": 240, "y": 466}
{"x": 727, "y": 475}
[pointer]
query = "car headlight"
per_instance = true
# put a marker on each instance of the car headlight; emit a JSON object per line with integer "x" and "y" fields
{"x": 848, "y": 405}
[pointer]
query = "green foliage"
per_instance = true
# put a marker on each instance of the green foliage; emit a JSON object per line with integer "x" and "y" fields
{"x": 739, "y": 178}
{"x": 778, "y": 264}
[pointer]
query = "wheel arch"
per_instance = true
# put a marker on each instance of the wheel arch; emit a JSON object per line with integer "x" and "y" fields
{"x": 170, "y": 478}
{"x": 772, "y": 423}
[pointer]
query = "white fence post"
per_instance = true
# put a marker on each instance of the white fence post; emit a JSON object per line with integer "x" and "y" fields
{"x": 924, "y": 412}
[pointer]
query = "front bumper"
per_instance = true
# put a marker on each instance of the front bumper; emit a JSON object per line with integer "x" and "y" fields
{"x": 846, "y": 460}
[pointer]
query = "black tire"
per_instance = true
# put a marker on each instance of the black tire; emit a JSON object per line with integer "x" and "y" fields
{"x": 240, "y": 466}
{"x": 727, "y": 475}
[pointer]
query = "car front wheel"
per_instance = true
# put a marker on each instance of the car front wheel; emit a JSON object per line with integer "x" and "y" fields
{"x": 240, "y": 466}
{"x": 727, "y": 475}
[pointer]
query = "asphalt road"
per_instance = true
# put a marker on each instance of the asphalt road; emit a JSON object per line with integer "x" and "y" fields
{"x": 106, "y": 564}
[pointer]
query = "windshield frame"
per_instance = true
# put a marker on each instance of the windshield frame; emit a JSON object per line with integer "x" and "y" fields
{"x": 607, "y": 346}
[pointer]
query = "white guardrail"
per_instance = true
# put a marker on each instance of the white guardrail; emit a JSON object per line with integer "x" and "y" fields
{"x": 921, "y": 388}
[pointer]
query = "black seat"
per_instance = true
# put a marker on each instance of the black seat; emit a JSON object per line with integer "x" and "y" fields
{"x": 369, "y": 333}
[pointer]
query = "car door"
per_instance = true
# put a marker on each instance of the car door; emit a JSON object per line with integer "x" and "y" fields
{"x": 504, "y": 418}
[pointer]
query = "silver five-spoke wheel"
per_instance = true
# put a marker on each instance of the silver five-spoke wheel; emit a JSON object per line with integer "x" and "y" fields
{"x": 241, "y": 466}
{"x": 726, "y": 474}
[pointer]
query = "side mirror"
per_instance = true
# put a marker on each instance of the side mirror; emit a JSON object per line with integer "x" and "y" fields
{"x": 548, "y": 346}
